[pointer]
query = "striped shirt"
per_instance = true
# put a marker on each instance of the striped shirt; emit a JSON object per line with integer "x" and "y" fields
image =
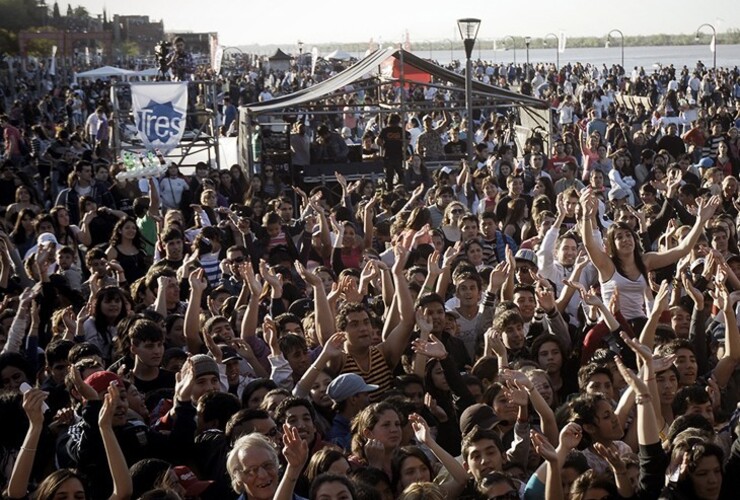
{"x": 378, "y": 372}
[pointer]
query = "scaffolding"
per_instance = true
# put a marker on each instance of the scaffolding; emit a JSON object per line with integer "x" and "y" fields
{"x": 200, "y": 141}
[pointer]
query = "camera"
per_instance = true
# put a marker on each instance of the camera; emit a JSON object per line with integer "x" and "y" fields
{"x": 161, "y": 53}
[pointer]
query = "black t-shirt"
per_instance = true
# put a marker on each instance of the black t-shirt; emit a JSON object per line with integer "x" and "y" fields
{"x": 165, "y": 380}
{"x": 392, "y": 137}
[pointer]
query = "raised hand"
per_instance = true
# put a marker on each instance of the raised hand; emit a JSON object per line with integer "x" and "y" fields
{"x": 570, "y": 436}
{"x": 334, "y": 346}
{"x": 662, "y": 297}
{"x": 642, "y": 351}
{"x": 611, "y": 455}
{"x": 637, "y": 384}
{"x": 269, "y": 331}
{"x": 421, "y": 429}
{"x": 83, "y": 389}
{"x": 451, "y": 254}
{"x": 198, "y": 281}
{"x": 374, "y": 453}
{"x": 184, "y": 381}
{"x": 432, "y": 348}
{"x": 498, "y": 276}
{"x": 295, "y": 449}
{"x": 110, "y": 401}
{"x": 706, "y": 209}
{"x": 433, "y": 264}
{"x": 496, "y": 342}
{"x": 516, "y": 396}
{"x": 423, "y": 321}
{"x": 543, "y": 447}
{"x": 434, "y": 408}
{"x": 33, "y": 404}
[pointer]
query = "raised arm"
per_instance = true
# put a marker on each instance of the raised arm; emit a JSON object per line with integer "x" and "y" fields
{"x": 654, "y": 260}
{"x": 33, "y": 401}
{"x": 295, "y": 451}
{"x": 123, "y": 486}
{"x": 325, "y": 326}
{"x": 454, "y": 468}
{"x": 598, "y": 256}
{"x": 394, "y": 346}
{"x": 198, "y": 284}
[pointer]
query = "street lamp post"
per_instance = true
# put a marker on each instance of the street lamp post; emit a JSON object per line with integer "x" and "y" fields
{"x": 621, "y": 42}
{"x": 557, "y": 48}
{"x": 469, "y": 32}
{"x": 527, "y": 41}
{"x": 714, "y": 39}
{"x": 513, "y": 46}
{"x": 300, "y": 55}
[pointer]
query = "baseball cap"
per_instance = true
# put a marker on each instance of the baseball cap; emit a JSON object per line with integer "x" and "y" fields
{"x": 100, "y": 381}
{"x": 347, "y": 385}
{"x": 618, "y": 194}
{"x": 705, "y": 163}
{"x": 477, "y": 414}
{"x": 193, "y": 486}
{"x": 46, "y": 238}
{"x": 526, "y": 255}
{"x": 228, "y": 353}
{"x": 204, "y": 365}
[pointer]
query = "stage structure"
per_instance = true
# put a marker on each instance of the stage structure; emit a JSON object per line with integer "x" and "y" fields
{"x": 379, "y": 75}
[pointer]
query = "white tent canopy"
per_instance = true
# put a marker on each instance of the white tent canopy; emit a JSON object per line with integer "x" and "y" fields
{"x": 105, "y": 72}
{"x": 339, "y": 55}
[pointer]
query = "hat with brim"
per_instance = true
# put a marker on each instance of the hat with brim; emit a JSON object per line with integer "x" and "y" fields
{"x": 347, "y": 385}
{"x": 480, "y": 415}
{"x": 193, "y": 486}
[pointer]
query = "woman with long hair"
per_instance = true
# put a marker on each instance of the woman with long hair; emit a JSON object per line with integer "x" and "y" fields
{"x": 24, "y": 199}
{"x": 68, "y": 234}
{"x": 23, "y": 235}
{"x": 451, "y": 222}
{"x": 416, "y": 173}
{"x": 377, "y": 426}
{"x": 100, "y": 328}
{"x": 127, "y": 247}
{"x": 516, "y": 215}
{"x": 623, "y": 265}
{"x": 238, "y": 179}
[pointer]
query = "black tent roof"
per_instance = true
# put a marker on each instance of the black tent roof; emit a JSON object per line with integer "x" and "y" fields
{"x": 279, "y": 55}
{"x": 369, "y": 66}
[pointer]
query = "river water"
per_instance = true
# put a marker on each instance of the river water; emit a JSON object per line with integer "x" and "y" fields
{"x": 647, "y": 57}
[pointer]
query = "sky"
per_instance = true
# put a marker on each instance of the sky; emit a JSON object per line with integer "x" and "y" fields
{"x": 250, "y": 22}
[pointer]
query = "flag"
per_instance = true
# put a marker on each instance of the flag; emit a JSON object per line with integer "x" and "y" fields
{"x": 160, "y": 111}
{"x": 713, "y": 44}
{"x": 53, "y": 64}
{"x": 314, "y": 59}
{"x": 561, "y": 42}
{"x": 218, "y": 59}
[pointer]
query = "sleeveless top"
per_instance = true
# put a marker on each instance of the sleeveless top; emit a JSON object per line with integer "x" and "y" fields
{"x": 134, "y": 266}
{"x": 378, "y": 372}
{"x": 633, "y": 294}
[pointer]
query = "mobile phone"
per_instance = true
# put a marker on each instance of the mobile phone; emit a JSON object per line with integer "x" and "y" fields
{"x": 25, "y": 387}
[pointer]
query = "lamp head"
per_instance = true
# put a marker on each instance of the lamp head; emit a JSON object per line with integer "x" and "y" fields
{"x": 468, "y": 28}
{"x": 696, "y": 37}
{"x": 527, "y": 40}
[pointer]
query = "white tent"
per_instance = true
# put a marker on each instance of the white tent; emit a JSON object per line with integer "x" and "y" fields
{"x": 105, "y": 72}
{"x": 339, "y": 55}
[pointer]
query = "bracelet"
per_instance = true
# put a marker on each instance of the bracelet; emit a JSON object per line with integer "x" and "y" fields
{"x": 641, "y": 399}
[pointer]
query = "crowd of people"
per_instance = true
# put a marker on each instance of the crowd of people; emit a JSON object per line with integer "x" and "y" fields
{"x": 556, "y": 319}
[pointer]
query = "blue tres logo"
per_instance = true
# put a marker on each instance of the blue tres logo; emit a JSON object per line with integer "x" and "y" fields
{"x": 160, "y": 122}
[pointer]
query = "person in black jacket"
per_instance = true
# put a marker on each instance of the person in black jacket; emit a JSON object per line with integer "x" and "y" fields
{"x": 85, "y": 444}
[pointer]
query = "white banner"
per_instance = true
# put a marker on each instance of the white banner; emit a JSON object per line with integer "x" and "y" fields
{"x": 561, "y": 42}
{"x": 314, "y": 59}
{"x": 218, "y": 59}
{"x": 160, "y": 112}
{"x": 53, "y": 64}
{"x": 713, "y": 44}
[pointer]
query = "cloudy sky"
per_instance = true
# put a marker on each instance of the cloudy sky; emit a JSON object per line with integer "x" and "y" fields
{"x": 248, "y": 22}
